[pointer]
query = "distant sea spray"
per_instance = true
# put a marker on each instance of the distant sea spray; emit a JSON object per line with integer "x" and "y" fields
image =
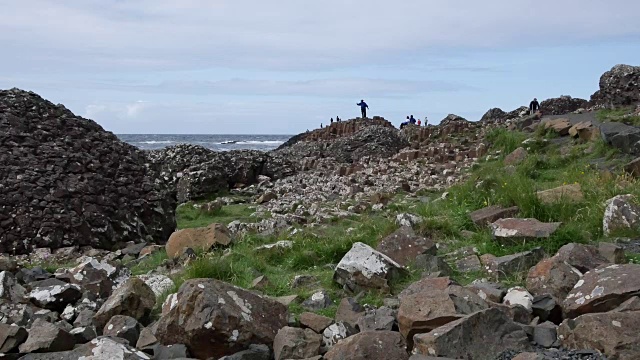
{"x": 213, "y": 142}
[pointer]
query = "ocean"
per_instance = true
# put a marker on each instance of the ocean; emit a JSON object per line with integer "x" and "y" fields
{"x": 213, "y": 142}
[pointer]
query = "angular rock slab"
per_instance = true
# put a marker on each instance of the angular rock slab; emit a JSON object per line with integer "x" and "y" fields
{"x": 480, "y": 336}
{"x": 510, "y": 264}
{"x": 134, "y": 298}
{"x": 403, "y": 246}
{"x": 554, "y": 277}
{"x": 214, "y": 319}
{"x": 582, "y": 257}
{"x": 603, "y": 289}
{"x": 11, "y": 337}
{"x": 296, "y": 343}
{"x": 621, "y": 213}
{"x": 370, "y": 345}
{"x": 613, "y": 334}
{"x": 565, "y": 193}
{"x": 490, "y": 214}
{"x": 365, "y": 268}
{"x": 46, "y": 337}
{"x": 430, "y": 303}
{"x": 198, "y": 239}
{"x": 102, "y": 348}
{"x": 92, "y": 275}
{"x": 515, "y": 229}
{"x": 516, "y": 157}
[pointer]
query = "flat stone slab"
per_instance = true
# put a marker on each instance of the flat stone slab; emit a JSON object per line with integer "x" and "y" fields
{"x": 490, "y": 214}
{"x": 603, "y": 289}
{"x": 565, "y": 193}
{"x": 513, "y": 228}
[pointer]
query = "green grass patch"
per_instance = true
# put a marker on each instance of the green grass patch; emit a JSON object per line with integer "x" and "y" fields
{"x": 189, "y": 216}
{"x": 619, "y": 115}
{"x": 151, "y": 262}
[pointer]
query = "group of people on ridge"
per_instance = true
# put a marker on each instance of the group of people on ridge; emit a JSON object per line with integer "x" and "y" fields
{"x": 411, "y": 121}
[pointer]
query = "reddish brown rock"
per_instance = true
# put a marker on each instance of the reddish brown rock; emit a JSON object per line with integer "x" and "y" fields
{"x": 370, "y": 345}
{"x": 215, "y": 319}
{"x": 488, "y": 215}
{"x": 482, "y": 335}
{"x": 582, "y": 257}
{"x": 552, "y": 276}
{"x": 516, "y": 157}
{"x": 560, "y": 126}
{"x": 613, "y": 334}
{"x": 516, "y": 229}
{"x": 198, "y": 239}
{"x": 403, "y": 246}
{"x": 430, "y": 303}
{"x": 603, "y": 289}
{"x": 296, "y": 343}
{"x": 315, "y": 322}
{"x": 349, "y": 312}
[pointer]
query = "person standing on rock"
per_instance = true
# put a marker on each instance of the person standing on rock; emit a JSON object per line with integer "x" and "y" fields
{"x": 534, "y": 106}
{"x": 363, "y": 108}
{"x": 412, "y": 120}
{"x": 419, "y": 122}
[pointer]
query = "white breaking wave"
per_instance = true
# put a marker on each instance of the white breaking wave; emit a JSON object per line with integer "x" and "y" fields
{"x": 259, "y": 142}
{"x": 156, "y": 142}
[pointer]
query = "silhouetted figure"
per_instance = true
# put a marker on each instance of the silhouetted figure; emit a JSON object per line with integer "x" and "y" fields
{"x": 534, "y": 106}
{"x": 332, "y": 120}
{"x": 338, "y": 119}
{"x": 363, "y": 108}
{"x": 412, "y": 120}
{"x": 320, "y": 125}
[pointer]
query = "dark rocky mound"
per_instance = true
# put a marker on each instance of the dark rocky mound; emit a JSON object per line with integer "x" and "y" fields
{"x": 618, "y": 87}
{"x": 66, "y": 181}
{"x": 374, "y": 141}
{"x": 197, "y": 172}
{"x": 562, "y": 105}
{"x": 494, "y": 115}
{"x": 336, "y": 130}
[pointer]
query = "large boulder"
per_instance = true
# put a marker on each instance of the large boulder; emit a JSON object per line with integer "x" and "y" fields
{"x": 552, "y": 276}
{"x": 430, "y": 303}
{"x": 46, "y": 337}
{"x": 134, "y": 298}
{"x": 370, "y": 345}
{"x": 199, "y": 239}
{"x": 65, "y": 180}
{"x": 621, "y": 213}
{"x": 296, "y": 343}
{"x": 365, "y": 268}
{"x": 214, "y": 319}
{"x": 619, "y": 86}
{"x": 621, "y": 136}
{"x": 603, "y": 289}
{"x": 481, "y": 336}
{"x": 562, "y": 105}
{"x": 614, "y": 334}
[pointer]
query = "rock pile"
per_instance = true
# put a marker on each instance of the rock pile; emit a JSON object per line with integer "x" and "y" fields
{"x": 562, "y": 105}
{"x": 65, "y": 181}
{"x": 618, "y": 87}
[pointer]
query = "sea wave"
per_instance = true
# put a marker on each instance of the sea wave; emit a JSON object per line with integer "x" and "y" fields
{"x": 277, "y": 142}
{"x": 156, "y": 142}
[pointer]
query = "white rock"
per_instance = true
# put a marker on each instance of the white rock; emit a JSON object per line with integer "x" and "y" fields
{"x": 160, "y": 284}
{"x": 519, "y": 296}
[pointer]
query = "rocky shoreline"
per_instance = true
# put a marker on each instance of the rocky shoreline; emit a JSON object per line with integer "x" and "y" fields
{"x": 355, "y": 241}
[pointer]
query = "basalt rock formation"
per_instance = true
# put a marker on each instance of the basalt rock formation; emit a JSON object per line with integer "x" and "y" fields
{"x": 618, "y": 87}
{"x": 66, "y": 181}
{"x": 562, "y": 105}
{"x": 336, "y": 130}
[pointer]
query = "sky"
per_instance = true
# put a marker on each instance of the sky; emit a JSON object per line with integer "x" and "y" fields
{"x": 285, "y": 66}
